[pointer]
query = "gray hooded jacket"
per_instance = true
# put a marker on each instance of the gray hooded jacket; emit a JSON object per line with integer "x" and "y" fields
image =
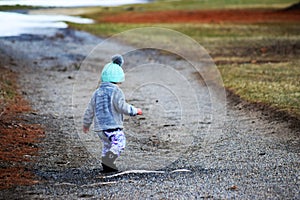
{"x": 107, "y": 107}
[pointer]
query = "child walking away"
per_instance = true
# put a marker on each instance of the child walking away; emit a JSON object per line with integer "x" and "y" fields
{"x": 106, "y": 109}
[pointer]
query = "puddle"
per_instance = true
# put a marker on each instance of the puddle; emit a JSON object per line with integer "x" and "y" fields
{"x": 14, "y": 24}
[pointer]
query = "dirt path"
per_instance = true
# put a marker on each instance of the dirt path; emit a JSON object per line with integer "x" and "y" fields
{"x": 254, "y": 157}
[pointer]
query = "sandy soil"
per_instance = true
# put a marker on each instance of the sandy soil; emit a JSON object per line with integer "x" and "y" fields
{"x": 256, "y": 156}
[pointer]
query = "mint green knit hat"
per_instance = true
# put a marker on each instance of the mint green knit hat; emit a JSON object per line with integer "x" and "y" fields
{"x": 112, "y": 73}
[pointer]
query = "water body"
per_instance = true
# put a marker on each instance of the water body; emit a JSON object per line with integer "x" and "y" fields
{"x": 69, "y": 3}
{"x": 15, "y": 24}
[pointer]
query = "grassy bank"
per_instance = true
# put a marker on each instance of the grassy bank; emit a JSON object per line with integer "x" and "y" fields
{"x": 274, "y": 84}
{"x": 196, "y": 5}
{"x": 219, "y": 4}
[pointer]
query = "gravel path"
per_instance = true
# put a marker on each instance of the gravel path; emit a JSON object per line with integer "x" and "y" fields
{"x": 254, "y": 158}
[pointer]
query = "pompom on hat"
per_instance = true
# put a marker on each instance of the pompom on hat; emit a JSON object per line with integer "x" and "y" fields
{"x": 118, "y": 59}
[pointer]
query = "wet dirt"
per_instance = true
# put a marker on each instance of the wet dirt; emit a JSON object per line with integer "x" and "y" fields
{"x": 257, "y": 156}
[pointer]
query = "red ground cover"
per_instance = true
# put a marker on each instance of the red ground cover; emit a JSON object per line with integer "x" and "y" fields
{"x": 205, "y": 16}
{"x": 18, "y": 138}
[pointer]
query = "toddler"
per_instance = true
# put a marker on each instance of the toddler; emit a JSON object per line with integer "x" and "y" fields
{"x": 106, "y": 108}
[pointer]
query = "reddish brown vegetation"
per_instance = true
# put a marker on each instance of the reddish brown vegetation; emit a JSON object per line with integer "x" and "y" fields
{"x": 18, "y": 138}
{"x": 205, "y": 16}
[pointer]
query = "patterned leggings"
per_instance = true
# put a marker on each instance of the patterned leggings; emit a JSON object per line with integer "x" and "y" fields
{"x": 112, "y": 141}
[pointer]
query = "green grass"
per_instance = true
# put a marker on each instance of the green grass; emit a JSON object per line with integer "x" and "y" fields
{"x": 225, "y": 42}
{"x": 219, "y": 4}
{"x": 200, "y": 5}
{"x": 277, "y": 85}
{"x": 7, "y": 86}
{"x": 201, "y": 32}
{"x": 105, "y": 29}
{"x": 16, "y": 7}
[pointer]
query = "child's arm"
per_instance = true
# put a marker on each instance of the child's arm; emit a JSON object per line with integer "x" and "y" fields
{"x": 123, "y": 107}
{"x": 89, "y": 115}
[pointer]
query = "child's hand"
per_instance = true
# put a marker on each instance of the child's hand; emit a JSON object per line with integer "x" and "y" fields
{"x": 139, "y": 111}
{"x": 85, "y": 129}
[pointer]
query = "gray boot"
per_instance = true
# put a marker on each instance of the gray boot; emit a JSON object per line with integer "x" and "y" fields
{"x": 108, "y": 162}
